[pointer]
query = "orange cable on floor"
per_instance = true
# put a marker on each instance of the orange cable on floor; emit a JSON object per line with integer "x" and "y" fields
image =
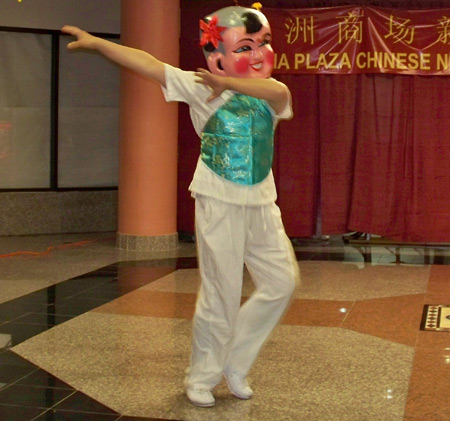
{"x": 44, "y": 253}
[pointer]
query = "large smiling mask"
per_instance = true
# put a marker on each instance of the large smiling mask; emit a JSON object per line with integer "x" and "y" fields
{"x": 237, "y": 42}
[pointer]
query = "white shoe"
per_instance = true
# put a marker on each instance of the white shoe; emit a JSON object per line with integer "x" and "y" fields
{"x": 238, "y": 385}
{"x": 201, "y": 397}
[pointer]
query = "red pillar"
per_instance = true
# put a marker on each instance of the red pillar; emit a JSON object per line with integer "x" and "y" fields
{"x": 148, "y": 132}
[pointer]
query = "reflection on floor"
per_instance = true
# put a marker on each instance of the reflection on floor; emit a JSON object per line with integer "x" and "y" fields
{"x": 88, "y": 332}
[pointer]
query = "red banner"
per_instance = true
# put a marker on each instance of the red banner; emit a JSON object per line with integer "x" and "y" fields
{"x": 357, "y": 39}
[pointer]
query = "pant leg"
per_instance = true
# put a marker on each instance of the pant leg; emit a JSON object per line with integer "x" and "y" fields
{"x": 273, "y": 267}
{"x": 220, "y": 237}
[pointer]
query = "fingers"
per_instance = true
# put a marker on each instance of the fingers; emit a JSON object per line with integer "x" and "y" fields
{"x": 202, "y": 73}
{"x": 71, "y": 30}
{"x": 72, "y": 45}
{"x": 76, "y": 32}
{"x": 205, "y": 77}
{"x": 200, "y": 80}
{"x": 212, "y": 97}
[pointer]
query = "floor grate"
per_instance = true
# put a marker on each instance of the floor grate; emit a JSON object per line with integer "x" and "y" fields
{"x": 436, "y": 317}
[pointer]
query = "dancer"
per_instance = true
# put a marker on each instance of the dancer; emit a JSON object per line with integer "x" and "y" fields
{"x": 235, "y": 107}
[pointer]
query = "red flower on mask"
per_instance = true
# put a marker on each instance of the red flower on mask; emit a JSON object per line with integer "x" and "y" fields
{"x": 211, "y": 32}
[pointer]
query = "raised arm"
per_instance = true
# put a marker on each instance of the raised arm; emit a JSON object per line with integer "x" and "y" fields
{"x": 131, "y": 58}
{"x": 274, "y": 92}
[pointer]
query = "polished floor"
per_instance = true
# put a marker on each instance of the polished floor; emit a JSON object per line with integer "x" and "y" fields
{"x": 89, "y": 332}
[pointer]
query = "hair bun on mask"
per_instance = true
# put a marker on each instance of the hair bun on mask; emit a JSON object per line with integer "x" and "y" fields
{"x": 212, "y": 26}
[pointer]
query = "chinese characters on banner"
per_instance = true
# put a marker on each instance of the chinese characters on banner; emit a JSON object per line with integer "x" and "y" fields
{"x": 357, "y": 39}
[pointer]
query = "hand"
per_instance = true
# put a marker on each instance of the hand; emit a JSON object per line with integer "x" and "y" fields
{"x": 215, "y": 83}
{"x": 84, "y": 39}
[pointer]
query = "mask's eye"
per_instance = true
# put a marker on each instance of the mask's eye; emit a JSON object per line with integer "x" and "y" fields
{"x": 243, "y": 48}
{"x": 265, "y": 42}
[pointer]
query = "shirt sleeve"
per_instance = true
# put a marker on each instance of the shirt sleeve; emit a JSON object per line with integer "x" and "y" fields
{"x": 287, "y": 112}
{"x": 179, "y": 84}
{"x": 181, "y": 87}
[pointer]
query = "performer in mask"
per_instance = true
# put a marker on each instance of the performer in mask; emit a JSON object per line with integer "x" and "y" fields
{"x": 235, "y": 107}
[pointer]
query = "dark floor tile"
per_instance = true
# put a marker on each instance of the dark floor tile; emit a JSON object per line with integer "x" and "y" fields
{"x": 186, "y": 237}
{"x": 187, "y": 263}
{"x": 52, "y": 415}
{"x": 73, "y": 306}
{"x": 40, "y": 378}
{"x": 313, "y": 255}
{"x": 73, "y": 287}
{"x": 144, "y": 272}
{"x": 81, "y": 402}
{"x": 63, "y": 290}
{"x": 334, "y": 257}
{"x": 11, "y": 358}
{"x": 11, "y": 374}
{"x": 438, "y": 260}
{"x": 44, "y": 296}
{"x": 21, "y": 332}
{"x": 35, "y": 397}
{"x": 48, "y": 320}
{"x": 103, "y": 271}
{"x": 143, "y": 419}
{"x": 105, "y": 291}
{"x": 18, "y": 413}
{"x": 5, "y": 340}
{"x": 124, "y": 287}
{"x": 358, "y": 257}
{"x": 128, "y": 281}
{"x": 97, "y": 275}
{"x": 169, "y": 262}
{"x": 32, "y": 300}
{"x": 16, "y": 308}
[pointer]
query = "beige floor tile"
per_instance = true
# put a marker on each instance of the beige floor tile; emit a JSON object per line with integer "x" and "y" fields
{"x": 347, "y": 281}
{"x": 135, "y": 366}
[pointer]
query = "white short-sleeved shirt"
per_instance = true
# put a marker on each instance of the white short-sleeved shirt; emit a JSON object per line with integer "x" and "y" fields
{"x": 181, "y": 86}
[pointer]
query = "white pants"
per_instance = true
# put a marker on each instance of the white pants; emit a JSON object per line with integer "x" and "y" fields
{"x": 224, "y": 333}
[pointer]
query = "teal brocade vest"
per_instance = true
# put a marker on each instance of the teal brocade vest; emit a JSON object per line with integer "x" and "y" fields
{"x": 237, "y": 141}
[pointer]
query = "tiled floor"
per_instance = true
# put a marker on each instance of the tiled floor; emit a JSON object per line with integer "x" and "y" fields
{"x": 88, "y": 332}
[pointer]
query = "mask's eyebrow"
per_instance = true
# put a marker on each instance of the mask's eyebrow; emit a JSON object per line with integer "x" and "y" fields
{"x": 267, "y": 35}
{"x": 246, "y": 39}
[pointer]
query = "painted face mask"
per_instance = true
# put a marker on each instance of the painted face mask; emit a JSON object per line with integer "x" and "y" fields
{"x": 237, "y": 42}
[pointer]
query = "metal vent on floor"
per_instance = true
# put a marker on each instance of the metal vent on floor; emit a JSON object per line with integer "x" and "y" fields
{"x": 436, "y": 317}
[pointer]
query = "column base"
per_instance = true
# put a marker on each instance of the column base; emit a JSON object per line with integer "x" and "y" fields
{"x": 147, "y": 242}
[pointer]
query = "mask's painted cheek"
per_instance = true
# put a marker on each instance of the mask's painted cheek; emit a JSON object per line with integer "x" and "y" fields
{"x": 241, "y": 65}
{"x": 270, "y": 58}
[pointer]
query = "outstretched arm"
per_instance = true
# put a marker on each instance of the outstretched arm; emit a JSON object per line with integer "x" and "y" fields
{"x": 274, "y": 92}
{"x": 131, "y": 58}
